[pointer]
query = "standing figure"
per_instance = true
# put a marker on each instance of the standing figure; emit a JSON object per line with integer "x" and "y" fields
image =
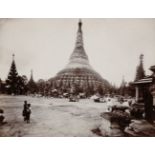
{"x": 25, "y": 109}
{"x": 2, "y": 118}
{"x": 28, "y": 113}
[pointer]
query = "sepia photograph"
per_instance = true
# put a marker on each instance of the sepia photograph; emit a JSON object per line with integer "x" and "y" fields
{"x": 77, "y": 77}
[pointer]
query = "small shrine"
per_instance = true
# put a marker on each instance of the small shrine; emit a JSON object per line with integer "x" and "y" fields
{"x": 145, "y": 94}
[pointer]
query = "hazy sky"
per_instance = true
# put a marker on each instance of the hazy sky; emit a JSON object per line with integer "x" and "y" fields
{"x": 45, "y": 45}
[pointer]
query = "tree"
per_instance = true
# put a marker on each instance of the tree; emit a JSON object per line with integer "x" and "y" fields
{"x": 22, "y": 85}
{"x": 32, "y": 87}
{"x": 2, "y": 86}
{"x": 123, "y": 87}
{"x": 41, "y": 86}
{"x": 100, "y": 90}
{"x": 12, "y": 80}
{"x": 90, "y": 89}
{"x": 131, "y": 89}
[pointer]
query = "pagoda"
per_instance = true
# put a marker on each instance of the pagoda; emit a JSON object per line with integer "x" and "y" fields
{"x": 32, "y": 86}
{"x": 78, "y": 72}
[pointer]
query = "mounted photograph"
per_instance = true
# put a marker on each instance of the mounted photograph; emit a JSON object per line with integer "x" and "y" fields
{"x": 70, "y": 77}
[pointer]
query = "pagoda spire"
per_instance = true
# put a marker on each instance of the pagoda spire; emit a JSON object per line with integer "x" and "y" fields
{"x": 141, "y": 58}
{"x": 13, "y": 60}
{"x": 13, "y": 57}
{"x": 140, "y": 69}
{"x": 13, "y": 64}
{"x": 123, "y": 81}
{"x": 12, "y": 79}
{"x": 32, "y": 86}
{"x": 80, "y": 25}
{"x": 79, "y": 51}
{"x": 79, "y": 39}
{"x": 31, "y": 76}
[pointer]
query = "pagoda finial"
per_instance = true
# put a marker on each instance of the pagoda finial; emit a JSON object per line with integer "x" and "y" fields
{"x": 123, "y": 80}
{"x": 140, "y": 73}
{"x": 13, "y": 56}
{"x": 141, "y": 57}
{"x": 31, "y": 75}
{"x": 31, "y": 72}
{"x": 80, "y": 25}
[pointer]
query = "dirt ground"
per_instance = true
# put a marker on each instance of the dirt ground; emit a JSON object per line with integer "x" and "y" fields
{"x": 53, "y": 117}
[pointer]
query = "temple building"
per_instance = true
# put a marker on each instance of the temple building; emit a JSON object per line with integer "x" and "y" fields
{"x": 78, "y": 73}
{"x": 145, "y": 91}
{"x": 140, "y": 74}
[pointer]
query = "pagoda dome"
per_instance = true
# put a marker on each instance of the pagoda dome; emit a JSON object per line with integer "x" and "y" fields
{"x": 78, "y": 71}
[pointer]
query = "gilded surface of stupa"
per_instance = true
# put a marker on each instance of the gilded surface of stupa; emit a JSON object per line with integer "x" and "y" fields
{"x": 78, "y": 71}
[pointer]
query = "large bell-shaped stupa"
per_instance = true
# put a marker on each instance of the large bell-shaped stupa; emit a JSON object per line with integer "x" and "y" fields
{"x": 78, "y": 71}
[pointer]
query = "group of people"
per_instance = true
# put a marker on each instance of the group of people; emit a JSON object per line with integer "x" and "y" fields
{"x": 26, "y": 111}
{"x": 26, "y": 114}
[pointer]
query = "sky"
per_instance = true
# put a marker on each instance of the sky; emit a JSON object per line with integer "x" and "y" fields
{"x": 45, "y": 45}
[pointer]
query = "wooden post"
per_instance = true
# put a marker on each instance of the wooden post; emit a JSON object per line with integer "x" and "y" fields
{"x": 137, "y": 93}
{"x": 153, "y": 94}
{"x": 148, "y": 101}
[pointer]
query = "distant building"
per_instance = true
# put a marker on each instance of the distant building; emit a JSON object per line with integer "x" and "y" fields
{"x": 79, "y": 74}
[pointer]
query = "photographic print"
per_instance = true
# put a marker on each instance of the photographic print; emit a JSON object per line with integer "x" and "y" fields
{"x": 74, "y": 77}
